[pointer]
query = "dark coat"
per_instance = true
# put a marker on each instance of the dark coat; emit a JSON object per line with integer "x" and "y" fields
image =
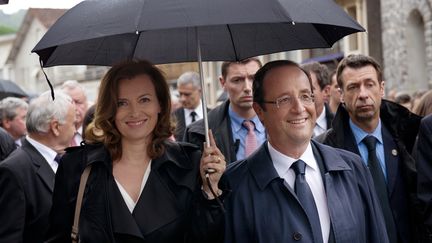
{"x": 7, "y": 144}
{"x": 261, "y": 208}
{"x": 171, "y": 207}
{"x": 328, "y": 116}
{"x": 402, "y": 126}
{"x": 179, "y": 118}
{"x": 26, "y": 186}
{"x": 220, "y": 124}
{"x": 424, "y": 179}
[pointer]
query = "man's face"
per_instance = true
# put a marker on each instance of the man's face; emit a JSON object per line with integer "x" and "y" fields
{"x": 189, "y": 95}
{"x": 81, "y": 105}
{"x": 17, "y": 126}
{"x": 67, "y": 130}
{"x": 291, "y": 124}
{"x": 362, "y": 94}
{"x": 238, "y": 85}
{"x": 318, "y": 94}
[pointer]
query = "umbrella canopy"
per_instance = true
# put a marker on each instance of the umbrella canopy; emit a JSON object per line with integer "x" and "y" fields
{"x": 10, "y": 89}
{"x": 104, "y": 32}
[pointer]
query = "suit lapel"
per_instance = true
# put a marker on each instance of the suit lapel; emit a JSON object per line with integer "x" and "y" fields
{"x": 43, "y": 170}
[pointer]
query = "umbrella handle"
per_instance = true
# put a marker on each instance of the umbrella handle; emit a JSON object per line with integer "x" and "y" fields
{"x": 203, "y": 98}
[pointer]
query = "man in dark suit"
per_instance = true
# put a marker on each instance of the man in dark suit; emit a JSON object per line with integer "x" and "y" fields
{"x": 369, "y": 126}
{"x": 321, "y": 87}
{"x": 189, "y": 88}
{"x": 423, "y": 156}
{"x": 7, "y": 144}
{"x": 27, "y": 175}
{"x": 227, "y": 121}
{"x": 292, "y": 188}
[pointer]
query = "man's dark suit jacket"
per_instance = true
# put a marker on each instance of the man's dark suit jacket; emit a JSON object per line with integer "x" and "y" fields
{"x": 7, "y": 144}
{"x": 220, "y": 124}
{"x": 399, "y": 131}
{"x": 328, "y": 115}
{"x": 423, "y": 153}
{"x": 26, "y": 186}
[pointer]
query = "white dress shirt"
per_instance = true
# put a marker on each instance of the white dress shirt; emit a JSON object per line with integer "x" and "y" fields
{"x": 282, "y": 164}
{"x": 130, "y": 203}
{"x": 46, "y": 152}
{"x": 199, "y": 114}
{"x": 321, "y": 123}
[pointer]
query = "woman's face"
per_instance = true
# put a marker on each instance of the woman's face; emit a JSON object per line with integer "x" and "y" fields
{"x": 137, "y": 109}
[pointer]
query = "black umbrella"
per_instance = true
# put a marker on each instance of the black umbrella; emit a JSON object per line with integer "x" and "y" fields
{"x": 10, "y": 89}
{"x": 104, "y": 32}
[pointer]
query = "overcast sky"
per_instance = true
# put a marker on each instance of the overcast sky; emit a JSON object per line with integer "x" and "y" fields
{"x": 15, "y": 5}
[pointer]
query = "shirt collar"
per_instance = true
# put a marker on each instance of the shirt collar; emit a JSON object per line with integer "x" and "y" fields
{"x": 237, "y": 121}
{"x": 321, "y": 120}
{"x": 359, "y": 134}
{"x": 198, "y": 111}
{"x": 48, "y": 153}
{"x": 282, "y": 162}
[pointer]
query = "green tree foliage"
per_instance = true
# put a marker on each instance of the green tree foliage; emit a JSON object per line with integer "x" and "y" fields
{"x": 6, "y": 30}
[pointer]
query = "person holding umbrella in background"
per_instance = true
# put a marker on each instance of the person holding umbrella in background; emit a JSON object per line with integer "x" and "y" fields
{"x": 142, "y": 186}
{"x": 293, "y": 188}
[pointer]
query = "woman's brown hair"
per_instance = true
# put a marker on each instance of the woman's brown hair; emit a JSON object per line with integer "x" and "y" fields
{"x": 103, "y": 128}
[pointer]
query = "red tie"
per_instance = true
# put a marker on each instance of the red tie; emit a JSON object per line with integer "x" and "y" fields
{"x": 251, "y": 141}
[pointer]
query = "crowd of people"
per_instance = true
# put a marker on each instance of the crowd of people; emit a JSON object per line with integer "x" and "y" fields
{"x": 296, "y": 153}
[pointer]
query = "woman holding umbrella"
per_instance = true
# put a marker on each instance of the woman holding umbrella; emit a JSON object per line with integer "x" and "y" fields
{"x": 142, "y": 187}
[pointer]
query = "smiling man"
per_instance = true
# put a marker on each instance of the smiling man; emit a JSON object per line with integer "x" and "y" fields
{"x": 236, "y": 128}
{"x": 383, "y": 134}
{"x": 292, "y": 188}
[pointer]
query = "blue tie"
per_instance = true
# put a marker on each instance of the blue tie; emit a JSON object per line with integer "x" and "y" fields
{"x": 304, "y": 195}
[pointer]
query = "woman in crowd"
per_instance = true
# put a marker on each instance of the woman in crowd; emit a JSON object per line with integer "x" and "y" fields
{"x": 142, "y": 186}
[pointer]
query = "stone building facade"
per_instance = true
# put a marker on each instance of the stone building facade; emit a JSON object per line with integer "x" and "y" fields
{"x": 407, "y": 44}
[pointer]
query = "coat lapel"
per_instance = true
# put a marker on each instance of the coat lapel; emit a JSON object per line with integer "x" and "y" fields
{"x": 391, "y": 160}
{"x": 122, "y": 220}
{"x": 43, "y": 170}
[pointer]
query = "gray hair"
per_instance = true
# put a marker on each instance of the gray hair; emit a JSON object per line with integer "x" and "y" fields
{"x": 43, "y": 109}
{"x": 9, "y": 106}
{"x": 71, "y": 85}
{"x": 190, "y": 78}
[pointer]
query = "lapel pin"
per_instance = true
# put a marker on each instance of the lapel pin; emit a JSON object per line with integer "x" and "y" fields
{"x": 394, "y": 152}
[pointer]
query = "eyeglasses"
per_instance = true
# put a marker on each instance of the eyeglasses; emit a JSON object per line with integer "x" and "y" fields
{"x": 305, "y": 99}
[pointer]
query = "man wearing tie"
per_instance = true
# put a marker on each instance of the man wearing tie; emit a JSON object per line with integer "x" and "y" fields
{"x": 235, "y": 125}
{"x": 383, "y": 134}
{"x": 293, "y": 188}
{"x": 189, "y": 88}
{"x": 27, "y": 175}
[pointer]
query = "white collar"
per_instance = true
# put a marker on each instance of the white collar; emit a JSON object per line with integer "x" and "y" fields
{"x": 282, "y": 162}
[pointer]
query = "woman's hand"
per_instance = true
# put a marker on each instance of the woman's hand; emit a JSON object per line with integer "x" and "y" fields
{"x": 212, "y": 160}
